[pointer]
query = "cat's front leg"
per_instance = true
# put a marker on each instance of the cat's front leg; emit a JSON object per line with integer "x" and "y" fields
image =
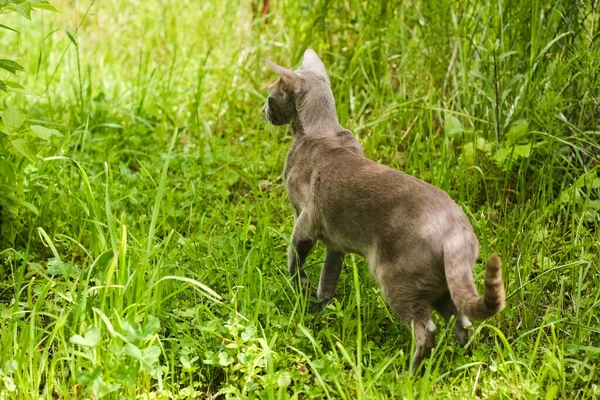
{"x": 330, "y": 275}
{"x": 301, "y": 245}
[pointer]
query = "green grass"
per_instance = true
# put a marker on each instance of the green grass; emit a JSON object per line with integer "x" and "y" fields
{"x": 155, "y": 265}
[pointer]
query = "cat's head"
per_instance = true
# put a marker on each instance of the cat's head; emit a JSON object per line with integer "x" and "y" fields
{"x": 288, "y": 93}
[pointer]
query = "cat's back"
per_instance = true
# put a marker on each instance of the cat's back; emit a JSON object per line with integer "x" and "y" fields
{"x": 334, "y": 166}
{"x": 342, "y": 175}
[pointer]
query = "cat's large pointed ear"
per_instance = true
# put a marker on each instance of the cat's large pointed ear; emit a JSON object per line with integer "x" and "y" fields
{"x": 288, "y": 77}
{"x": 312, "y": 61}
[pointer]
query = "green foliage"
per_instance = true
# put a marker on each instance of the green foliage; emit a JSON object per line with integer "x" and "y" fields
{"x": 143, "y": 245}
{"x": 127, "y": 360}
{"x": 24, "y": 9}
{"x": 9, "y": 368}
{"x": 18, "y": 143}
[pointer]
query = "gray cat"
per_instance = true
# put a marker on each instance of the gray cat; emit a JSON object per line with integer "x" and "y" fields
{"x": 419, "y": 244}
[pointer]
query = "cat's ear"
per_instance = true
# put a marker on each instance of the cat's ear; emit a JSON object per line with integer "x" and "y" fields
{"x": 312, "y": 61}
{"x": 288, "y": 77}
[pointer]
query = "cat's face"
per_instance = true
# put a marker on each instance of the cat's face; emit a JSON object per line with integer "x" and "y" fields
{"x": 288, "y": 92}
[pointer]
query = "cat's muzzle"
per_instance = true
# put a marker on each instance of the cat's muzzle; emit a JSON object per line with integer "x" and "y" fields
{"x": 266, "y": 112}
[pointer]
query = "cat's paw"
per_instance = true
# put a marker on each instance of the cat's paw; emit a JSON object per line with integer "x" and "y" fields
{"x": 318, "y": 305}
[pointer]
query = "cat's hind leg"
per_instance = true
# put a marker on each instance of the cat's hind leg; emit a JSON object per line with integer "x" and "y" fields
{"x": 446, "y": 307}
{"x": 424, "y": 332}
{"x": 416, "y": 315}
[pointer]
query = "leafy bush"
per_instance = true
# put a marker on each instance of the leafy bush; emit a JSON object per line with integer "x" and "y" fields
{"x": 18, "y": 139}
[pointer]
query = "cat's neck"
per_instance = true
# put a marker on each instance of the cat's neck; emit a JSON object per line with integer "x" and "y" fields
{"x": 317, "y": 115}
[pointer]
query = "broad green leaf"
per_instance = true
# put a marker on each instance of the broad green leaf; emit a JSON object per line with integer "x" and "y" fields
{"x": 225, "y": 359}
{"x": 11, "y": 66}
{"x": 3, "y": 86}
{"x": 94, "y": 379}
{"x": 468, "y": 153}
{"x": 188, "y": 364}
{"x": 44, "y": 132}
{"x": 150, "y": 356}
{"x": 127, "y": 372}
{"x": 132, "y": 331}
{"x": 9, "y": 384}
{"x": 469, "y": 149}
{"x": 132, "y": 351}
{"x": 185, "y": 361}
{"x": 452, "y": 125}
{"x": 515, "y": 152}
{"x": 6, "y": 170}
{"x": 89, "y": 339}
{"x": 45, "y": 6}
{"x": 189, "y": 391}
{"x": 588, "y": 179}
{"x": 101, "y": 388}
{"x": 136, "y": 333}
{"x": 522, "y": 150}
{"x": 593, "y": 204}
{"x": 150, "y": 327}
{"x": 8, "y": 28}
{"x": 88, "y": 377}
{"x": 501, "y": 155}
{"x": 516, "y": 132}
{"x": 25, "y": 148}
{"x": 10, "y": 367}
{"x": 41, "y": 131}
{"x": 57, "y": 267}
{"x": 147, "y": 357}
{"x": 13, "y": 118}
{"x": 570, "y": 195}
{"x": 13, "y": 85}
{"x": 284, "y": 380}
{"x": 244, "y": 358}
{"x": 23, "y": 9}
{"x": 551, "y": 393}
{"x": 210, "y": 358}
{"x": 249, "y": 333}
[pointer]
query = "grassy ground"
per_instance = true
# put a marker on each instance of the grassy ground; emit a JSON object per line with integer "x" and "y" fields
{"x": 153, "y": 261}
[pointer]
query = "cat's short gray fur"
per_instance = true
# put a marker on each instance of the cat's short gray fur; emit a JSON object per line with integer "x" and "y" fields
{"x": 419, "y": 244}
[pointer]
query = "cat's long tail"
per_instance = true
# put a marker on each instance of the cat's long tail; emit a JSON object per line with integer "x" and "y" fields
{"x": 464, "y": 292}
